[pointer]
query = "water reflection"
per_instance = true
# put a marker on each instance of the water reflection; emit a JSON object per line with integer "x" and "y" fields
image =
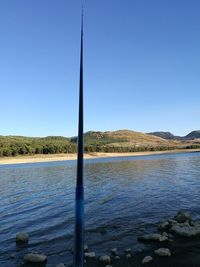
{"x": 124, "y": 197}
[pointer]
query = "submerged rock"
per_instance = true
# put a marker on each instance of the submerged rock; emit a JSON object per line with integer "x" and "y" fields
{"x": 86, "y": 249}
{"x": 117, "y": 258}
{"x": 35, "y": 258}
{"x": 164, "y": 226}
{"x": 172, "y": 222}
{"x": 162, "y": 252}
{"x": 89, "y": 255}
{"x": 186, "y": 230}
{"x": 114, "y": 251}
{"x": 105, "y": 259}
{"x": 153, "y": 237}
{"x": 22, "y": 237}
{"x": 127, "y": 250}
{"x": 128, "y": 256}
{"x": 147, "y": 259}
{"x": 183, "y": 216}
{"x": 165, "y": 234}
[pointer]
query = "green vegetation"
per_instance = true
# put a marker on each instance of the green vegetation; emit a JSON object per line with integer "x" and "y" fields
{"x": 19, "y": 145}
{"x": 118, "y": 141}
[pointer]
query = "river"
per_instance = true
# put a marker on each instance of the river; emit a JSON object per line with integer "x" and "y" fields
{"x": 125, "y": 197}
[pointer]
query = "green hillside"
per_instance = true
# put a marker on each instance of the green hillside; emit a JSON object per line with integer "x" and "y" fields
{"x": 115, "y": 141}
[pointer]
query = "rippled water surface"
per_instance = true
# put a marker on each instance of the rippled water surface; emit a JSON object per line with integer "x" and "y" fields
{"x": 124, "y": 198}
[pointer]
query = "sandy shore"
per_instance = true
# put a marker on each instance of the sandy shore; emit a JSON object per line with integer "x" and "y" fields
{"x": 61, "y": 157}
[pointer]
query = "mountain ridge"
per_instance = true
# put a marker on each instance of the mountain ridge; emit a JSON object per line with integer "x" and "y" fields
{"x": 122, "y": 133}
{"x": 169, "y": 136}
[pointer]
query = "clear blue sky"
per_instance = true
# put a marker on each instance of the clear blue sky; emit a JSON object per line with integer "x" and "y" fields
{"x": 142, "y": 66}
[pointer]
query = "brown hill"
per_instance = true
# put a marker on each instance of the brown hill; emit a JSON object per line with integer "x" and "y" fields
{"x": 126, "y": 138}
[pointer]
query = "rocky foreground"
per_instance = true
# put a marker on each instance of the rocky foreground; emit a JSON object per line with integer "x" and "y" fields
{"x": 176, "y": 243}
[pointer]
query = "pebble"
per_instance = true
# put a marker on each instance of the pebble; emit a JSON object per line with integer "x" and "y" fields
{"x": 153, "y": 237}
{"x": 86, "y": 249}
{"x": 35, "y": 258}
{"x": 105, "y": 259}
{"x": 89, "y": 255}
{"x": 22, "y": 237}
{"x": 163, "y": 252}
{"x": 114, "y": 251}
{"x": 147, "y": 259}
{"x": 128, "y": 256}
{"x": 165, "y": 234}
{"x": 127, "y": 250}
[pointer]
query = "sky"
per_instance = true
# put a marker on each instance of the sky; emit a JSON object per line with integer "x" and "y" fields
{"x": 141, "y": 66}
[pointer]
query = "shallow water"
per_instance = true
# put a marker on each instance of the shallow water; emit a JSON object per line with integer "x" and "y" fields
{"x": 125, "y": 197}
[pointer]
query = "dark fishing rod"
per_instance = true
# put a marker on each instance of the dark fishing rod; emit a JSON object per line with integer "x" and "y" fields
{"x": 79, "y": 205}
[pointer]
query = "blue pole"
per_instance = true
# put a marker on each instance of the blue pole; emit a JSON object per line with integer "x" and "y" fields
{"x": 79, "y": 205}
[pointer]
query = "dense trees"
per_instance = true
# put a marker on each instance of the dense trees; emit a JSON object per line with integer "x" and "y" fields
{"x": 17, "y": 145}
{"x": 13, "y": 146}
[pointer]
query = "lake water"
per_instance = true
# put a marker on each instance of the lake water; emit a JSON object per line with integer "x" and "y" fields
{"x": 125, "y": 197}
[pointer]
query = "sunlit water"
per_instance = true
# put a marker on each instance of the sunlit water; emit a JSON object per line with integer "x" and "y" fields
{"x": 125, "y": 197}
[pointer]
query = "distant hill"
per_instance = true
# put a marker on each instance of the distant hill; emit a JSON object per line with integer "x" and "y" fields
{"x": 169, "y": 136}
{"x": 122, "y": 138}
{"x": 193, "y": 135}
{"x": 165, "y": 135}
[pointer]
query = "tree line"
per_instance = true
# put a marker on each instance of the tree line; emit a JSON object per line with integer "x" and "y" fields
{"x": 14, "y": 146}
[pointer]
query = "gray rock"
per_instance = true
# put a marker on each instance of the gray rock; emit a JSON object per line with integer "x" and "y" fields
{"x": 172, "y": 222}
{"x": 117, "y": 258}
{"x": 89, "y": 255}
{"x": 114, "y": 251}
{"x": 191, "y": 223}
{"x": 105, "y": 259}
{"x": 186, "y": 230}
{"x": 183, "y": 216}
{"x": 162, "y": 252}
{"x": 164, "y": 226}
{"x": 127, "y": 250}
{"x": 22, "y": 237}
{"x": 182, "y": 224}
{"x": 165, "y": 234}
{"x": 35, "y": 258}
{"x": 86, "y": 249}
{"x": 153, "y": 237}
{"x": 147, "y": 259}
{"x": 128, "y": 256}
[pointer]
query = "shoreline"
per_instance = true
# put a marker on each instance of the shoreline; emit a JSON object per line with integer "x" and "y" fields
{"x": 62, "y": 157}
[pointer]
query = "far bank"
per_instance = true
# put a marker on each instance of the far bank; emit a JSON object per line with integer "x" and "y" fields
{"x": 62, "y": 157}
